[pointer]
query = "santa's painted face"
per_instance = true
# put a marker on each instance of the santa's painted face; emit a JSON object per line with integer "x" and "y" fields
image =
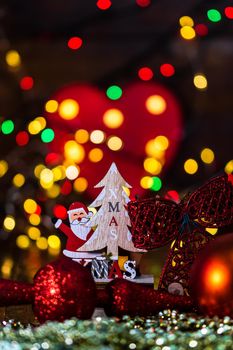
{"x": 77, "y": 215}
{"x": 78, "y": 219}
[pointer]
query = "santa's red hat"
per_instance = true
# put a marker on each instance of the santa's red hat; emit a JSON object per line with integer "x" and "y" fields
{"x": 77, "y": 206}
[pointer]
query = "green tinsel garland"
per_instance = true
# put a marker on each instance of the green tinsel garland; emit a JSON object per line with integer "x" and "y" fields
{"x": 168, "y": 330}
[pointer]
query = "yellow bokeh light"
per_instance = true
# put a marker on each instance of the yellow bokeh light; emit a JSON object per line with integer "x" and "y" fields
{"x": 97, "y": 136}
{"x": 46, "y": 176}
{"x": 156, "y": 104}
{"x": 80, "y": 184}
{"x": 6, "y": 267}
{"x": 46, "y": 185}
{"x": 51, "y": 106}
{"x": 30, "y": 206}
{"x": 152, "y": 150}
{"x": 59, "y": 173}
{"x": 81, "y": 136}
{"x": 187, "y": 32}
{"x": 3, "y": 167}
{"x": 229, "y": 167}
{"x": 186, "y": 21}
{"x": 54, "y": 252}
{"x": 18, "y": 180}
{"x": 95, "y": 155}
{"x": 53, "y": 191}
{"x": 216, "y": 276}
{"x": 68, "y": 109}
{"x": 13, "y": 58}
{"x": 74, "y": 152}
{"x": 72, "y": 172}
{"x": 211, "y": 230}
{"x": 34, "y": 127}
{"x": 23, "y": 242}
{"x": 54, "y": 242}
{"x": 161, "y": 143}
{"x": 153, "y": 166}
{"x": 200, "y": 81}
{"x": 146, "y": 182}
{"x": 34, "y": 233}
{"x": 207, "y": 155}
{"x": 190, "y": 166}
{"x": 34, "y": 219}
{"x": 9, "y": 223}
{"x": 115, "y": 143}
{"x": 113, "y": 118}
{"x": 42, "y": 243}
{"x": 38, "y": 169}
{"x": 42, "y": 122}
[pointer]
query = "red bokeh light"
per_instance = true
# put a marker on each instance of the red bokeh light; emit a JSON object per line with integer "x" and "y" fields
{"x": 201, "y": 29}
{"x": 52, "y": 158}
{"x": 167, "y": 69}
{"x": 229, "y": 12}
{"x": 60, "y": 211}
{"x": 22, "y": 138}
{"x": 75, "y": 43}
{"x": 38, "y": 209}
{"x": 103, "y": 4}
{"x": 173, "y": 195}
{"x": 66, "y": 188}
{"x": 143, "y": 3}
{"x": 26, "y": 83}
{"x": 145, "y": 73}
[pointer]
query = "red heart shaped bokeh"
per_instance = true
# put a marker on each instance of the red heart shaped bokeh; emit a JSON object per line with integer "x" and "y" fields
{"x": 147, "y": 132}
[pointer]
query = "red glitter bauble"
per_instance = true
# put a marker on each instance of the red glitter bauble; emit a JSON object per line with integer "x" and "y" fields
{"x": 64, "y": 289}
{"x": 123, "y": 297}
{"x": 212, "y": 278}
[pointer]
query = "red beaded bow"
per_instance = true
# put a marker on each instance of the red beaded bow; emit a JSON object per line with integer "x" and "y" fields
{"x": 156, "y": 221}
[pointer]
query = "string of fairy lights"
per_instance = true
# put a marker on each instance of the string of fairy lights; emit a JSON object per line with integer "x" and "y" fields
{"x": 60, "y": 174}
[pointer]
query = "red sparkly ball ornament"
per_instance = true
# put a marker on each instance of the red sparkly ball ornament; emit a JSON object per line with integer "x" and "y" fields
{"x": 64, "y": 289}
{"x": 212, "y": 278}
{"x": 122, "y": 297}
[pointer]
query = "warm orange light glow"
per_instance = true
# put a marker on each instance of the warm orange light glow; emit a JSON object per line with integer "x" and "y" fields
{"x": 216, "y": 276}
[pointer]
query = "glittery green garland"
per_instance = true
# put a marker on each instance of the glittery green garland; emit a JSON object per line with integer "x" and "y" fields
{"x": 168, "y": 330}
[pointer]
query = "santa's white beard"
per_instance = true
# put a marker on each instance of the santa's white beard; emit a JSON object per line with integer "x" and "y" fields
{"x": 79, "y": 229}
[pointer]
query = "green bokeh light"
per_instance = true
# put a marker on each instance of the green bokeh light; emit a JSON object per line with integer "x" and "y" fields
{"x": 157, "y": 183}
{"x": 114, "y": 92}
{"x": 47, "y": 135}
{"x": 214, "y": 15}
{"x": 7, "y": 127}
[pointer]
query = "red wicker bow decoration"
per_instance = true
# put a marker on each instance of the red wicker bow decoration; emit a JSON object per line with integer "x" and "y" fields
{"x": 156, "y": 221}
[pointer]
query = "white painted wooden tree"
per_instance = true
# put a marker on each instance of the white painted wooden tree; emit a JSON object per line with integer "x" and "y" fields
{"x": 112, "y": 218}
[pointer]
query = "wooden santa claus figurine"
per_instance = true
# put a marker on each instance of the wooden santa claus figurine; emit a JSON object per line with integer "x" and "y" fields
{"x": 78, "y": 233}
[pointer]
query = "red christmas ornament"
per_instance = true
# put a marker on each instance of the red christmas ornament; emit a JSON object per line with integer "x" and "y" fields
{"x": 212, "y": 278}
{"x": 15, "y": 293}
{"x": 122, "y": 297}
{"x": 156, "y": 221}
{"x": 64, "y": 289}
